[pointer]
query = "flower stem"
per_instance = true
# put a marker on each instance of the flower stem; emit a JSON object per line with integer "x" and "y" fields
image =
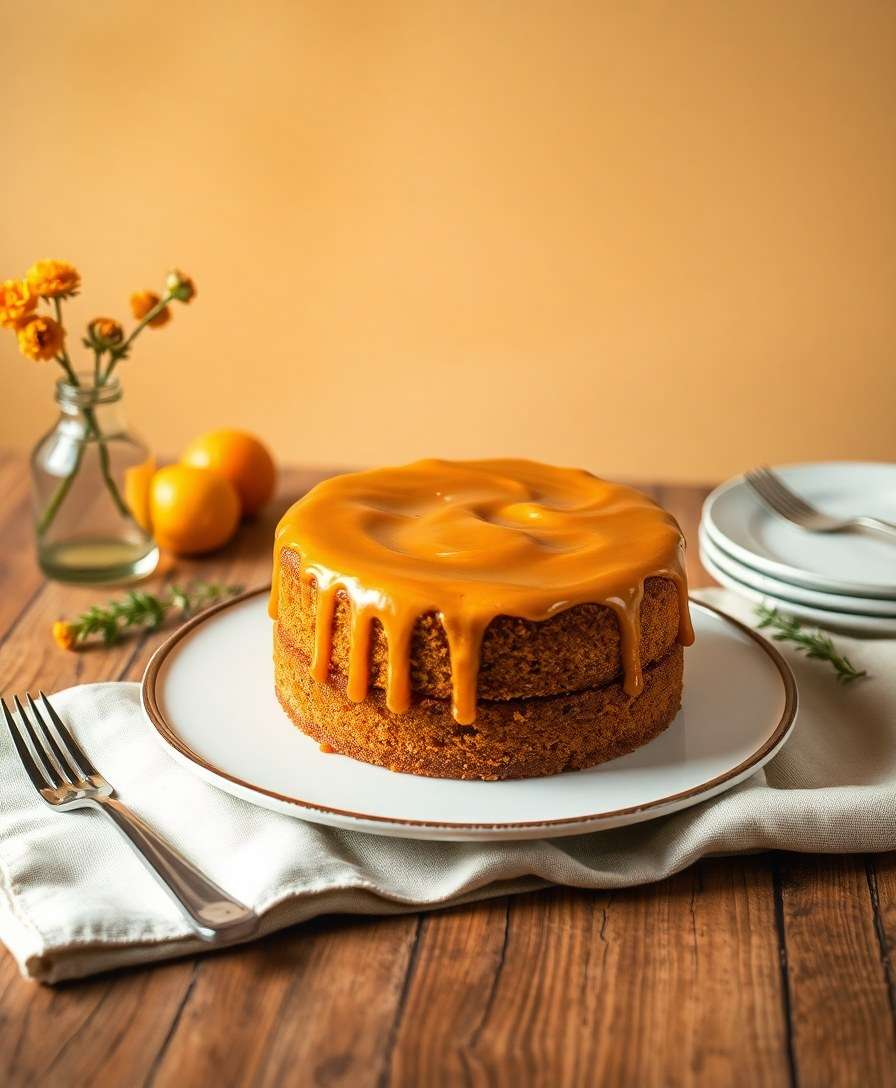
{"x": 62, "y": 358}
{"x": 62, "y": 489}
{"x": 64, "y": 486}
{"x": 99, "y": 380}
{"x": 120, "y": 352}
{"x": 66, "y": 365}
{"x": 93, "y": 428}
{"x": 105, "y": 466}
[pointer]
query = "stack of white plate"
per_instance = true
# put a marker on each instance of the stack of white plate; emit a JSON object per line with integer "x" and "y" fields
{"x": 846, "y": 581}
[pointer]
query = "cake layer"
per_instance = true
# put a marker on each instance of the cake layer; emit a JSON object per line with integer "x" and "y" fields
{"x": 511, "y": 738}
{"x": 578, "y": 648}
{"x": 428, "y": 561}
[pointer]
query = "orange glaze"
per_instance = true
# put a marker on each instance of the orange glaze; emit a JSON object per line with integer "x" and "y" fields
{"x": 472, "y": 540}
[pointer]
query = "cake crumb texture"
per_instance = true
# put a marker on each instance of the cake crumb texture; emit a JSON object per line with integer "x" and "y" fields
{"x": 579, "y": 648}
{"x": 511, "y": 738}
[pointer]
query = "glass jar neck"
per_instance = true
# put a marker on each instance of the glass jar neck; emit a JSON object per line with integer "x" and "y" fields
{"x": 74, "y": 400}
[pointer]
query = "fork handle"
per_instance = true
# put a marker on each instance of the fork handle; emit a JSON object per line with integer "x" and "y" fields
{"x": 215, "y": 916}
{"x": 876, "y": 525}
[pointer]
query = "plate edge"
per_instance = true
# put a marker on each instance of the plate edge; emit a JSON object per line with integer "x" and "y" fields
{"x": 168, "y": 737}
{"x": 706, "y": 543}
{"x": 783, "y": 571}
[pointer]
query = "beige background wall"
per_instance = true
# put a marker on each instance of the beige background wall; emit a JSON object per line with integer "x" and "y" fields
{"x": 650, "y": 238}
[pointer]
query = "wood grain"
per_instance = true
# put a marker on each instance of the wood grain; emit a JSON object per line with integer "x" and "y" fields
{"x": 769, "y": 970}
{"x": 291, "y": 1003}
{"x": 881, "y": 872}
{"x": 618, "y": 987}
{"x": 852, "y": 1045}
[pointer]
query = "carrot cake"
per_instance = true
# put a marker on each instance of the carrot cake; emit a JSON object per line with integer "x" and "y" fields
{"x": 479, "y": 619}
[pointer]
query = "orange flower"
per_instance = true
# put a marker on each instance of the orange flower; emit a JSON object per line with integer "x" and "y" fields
{"x": 180, "y": 285}
{"x": 53, "y": 279}
{"x": 16, "y": 300}
{"x": 64, "y": 635}
{"x": 142, "y": 302}
{"x": 105, "y": 332}
{"x": 39, "y": 337}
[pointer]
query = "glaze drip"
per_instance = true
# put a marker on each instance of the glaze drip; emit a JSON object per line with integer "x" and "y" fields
{"x": 472, "y": 540}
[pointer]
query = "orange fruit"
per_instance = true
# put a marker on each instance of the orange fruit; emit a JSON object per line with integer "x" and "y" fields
{"x": 242, "y": 458}
{"x": 193, "y": 510}
{"x": 137, "y": 480}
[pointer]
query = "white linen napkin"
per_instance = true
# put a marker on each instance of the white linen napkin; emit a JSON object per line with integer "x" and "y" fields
{"x": 74, "y": 900}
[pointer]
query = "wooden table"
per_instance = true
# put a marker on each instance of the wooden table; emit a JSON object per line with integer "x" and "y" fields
{"x": 773, "y": 969}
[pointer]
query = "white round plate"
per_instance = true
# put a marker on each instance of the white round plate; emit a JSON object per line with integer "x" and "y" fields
{"x": 853, "y": 563}
{"x": 833, "y": 602}
{"x": 209, "y": 694}
{"x": 848, "y": 623}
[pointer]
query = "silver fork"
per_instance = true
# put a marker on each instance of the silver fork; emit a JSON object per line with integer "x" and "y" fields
{"x": 66, "y": 780}
{"x": 772, "y": 490}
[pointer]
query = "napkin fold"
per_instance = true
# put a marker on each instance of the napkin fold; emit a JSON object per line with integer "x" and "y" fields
{"x": 74, "y": 900}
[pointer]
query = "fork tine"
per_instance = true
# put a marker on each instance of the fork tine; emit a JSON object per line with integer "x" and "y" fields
{"x": 782, "y": 490}
{"x": 68, "y": 741}
{"x": 796, "y": 502}
{"x": 40, "y": 749}
{"x": 771, "y": 497}
{"x": 758, "y": 484}
{"x": 31, "y": 769}
{"x": 69, "y": 771}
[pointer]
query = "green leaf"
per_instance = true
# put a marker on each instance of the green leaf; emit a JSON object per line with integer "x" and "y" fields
{"x": 141, "y": 609}
{"x": 814, "y": 644}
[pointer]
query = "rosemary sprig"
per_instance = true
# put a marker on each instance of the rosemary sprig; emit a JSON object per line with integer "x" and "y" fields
{"x": 811, "y": 643}
{"x": 137, "y": 609}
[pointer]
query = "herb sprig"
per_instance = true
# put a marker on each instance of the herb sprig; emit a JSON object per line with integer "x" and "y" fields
{"x": 137, "y": 609}
{"x": 812, "y": 643}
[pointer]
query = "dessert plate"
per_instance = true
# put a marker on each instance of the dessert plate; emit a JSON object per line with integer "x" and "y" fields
{"x": 208, "y": 693}
{"x": 851, "y": 563}
{"x": 851, "y": 623}
{"x": 786, "y": 591}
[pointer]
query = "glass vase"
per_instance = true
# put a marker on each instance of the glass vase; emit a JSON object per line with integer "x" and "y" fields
{"x": 90, "y": 485}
